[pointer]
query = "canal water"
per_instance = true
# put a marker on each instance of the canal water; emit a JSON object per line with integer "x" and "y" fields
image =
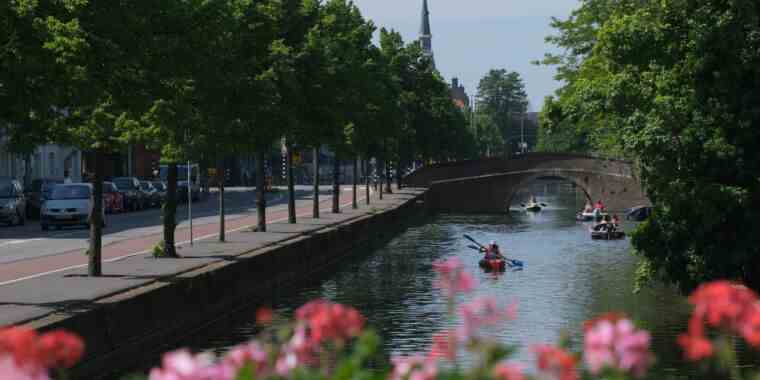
{"x": 567, "y": 279}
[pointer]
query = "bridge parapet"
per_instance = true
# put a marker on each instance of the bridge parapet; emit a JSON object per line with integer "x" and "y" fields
{"x": 472, "y": 168}
{"x": 490, "y": 185}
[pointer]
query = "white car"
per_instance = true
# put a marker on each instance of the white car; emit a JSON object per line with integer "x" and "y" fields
{"x": 68, "y": 205}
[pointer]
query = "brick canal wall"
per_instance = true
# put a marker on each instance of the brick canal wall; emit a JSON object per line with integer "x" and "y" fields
{"x": 125, "y": 330}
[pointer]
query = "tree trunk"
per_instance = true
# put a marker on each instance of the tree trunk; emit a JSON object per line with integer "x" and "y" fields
{"x": 261, "y": 202}
{"x": 366, "y": 181}
{"x": 380, "y": 174}
{"x": 170, "y": 211}
{"x": 315, "y": 212}
{"x": 388, "y": 178}
{"x": 336, "y": 185}
{"x": 28, "y": 171}
{"x": 94, "y": 264}
{"x": 354, "y": 201}
{"x": 398, "y": 174}
{"x": 291, "y": 187}
{"x": 221, "y": 175}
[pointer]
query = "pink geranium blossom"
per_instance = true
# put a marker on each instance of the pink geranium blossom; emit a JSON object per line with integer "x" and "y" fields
{"x": 483, "y": 311}
{"x": 721, "y": 304}
{"x": 413, "y": 368}
{"x": 615, "y": 343}
{"x": 183, "y": 365}
{"x": 452, "y": 278}
{"x": 507, "y": 371}
{"x": 555, "y": 362}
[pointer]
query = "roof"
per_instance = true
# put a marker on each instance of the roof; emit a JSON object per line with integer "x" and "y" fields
{"x": 425, "y": 26}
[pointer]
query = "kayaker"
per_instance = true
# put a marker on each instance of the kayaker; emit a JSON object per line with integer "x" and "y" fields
{"x": 492, "y": 252}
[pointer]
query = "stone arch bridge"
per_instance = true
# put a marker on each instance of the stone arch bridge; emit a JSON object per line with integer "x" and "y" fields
{"x": 488, "y": 185}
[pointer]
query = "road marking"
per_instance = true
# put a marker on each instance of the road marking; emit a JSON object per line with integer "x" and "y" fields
{"x": 36, "y": 275}
{"x": 15, "y": 242}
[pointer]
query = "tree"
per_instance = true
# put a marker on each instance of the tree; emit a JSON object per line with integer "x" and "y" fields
{"x": 502, "y": 96}
{"x": 674, "y": 81}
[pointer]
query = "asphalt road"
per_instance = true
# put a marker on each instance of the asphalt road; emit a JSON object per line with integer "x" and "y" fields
{"x": 26, "y": 242}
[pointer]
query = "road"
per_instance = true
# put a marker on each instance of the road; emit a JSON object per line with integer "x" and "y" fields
{"x": 27, "y": 251}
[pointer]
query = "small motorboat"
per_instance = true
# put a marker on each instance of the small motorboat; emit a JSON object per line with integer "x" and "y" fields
{"x": 585, "y": 216}
{"x": 607, "y": 235}
{"x": 493, "y": 265}
{"x": 535, "y": 207}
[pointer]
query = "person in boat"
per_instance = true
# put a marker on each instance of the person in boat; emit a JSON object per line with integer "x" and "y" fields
{"x": 604, "y": 225}
{"x": 532, "y": 201}
{"x": 492, "y": 252}
{"x": 615, "y": 220}
{"x": 599, "y": 205}
{"x": 587, "y": 208}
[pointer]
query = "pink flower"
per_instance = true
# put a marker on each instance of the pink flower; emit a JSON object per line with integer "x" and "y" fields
{"x": 483, "y": 311}
{"x": 617, "y": 344}
{"x": 10, "y": 369}
{"x": 725, "y": 305}
{"x": 452, "y": 278}
{"x": 330, "y": 321}
{"x": 556, "y": 362}
{"x": 182, "y": 365}
{"x": 24, "y": 350}
{"x": 251, "y": 353}
{"x": 413, "y": 368}
{"x": 506, "y": 371}
{"x": 444, "y": 345}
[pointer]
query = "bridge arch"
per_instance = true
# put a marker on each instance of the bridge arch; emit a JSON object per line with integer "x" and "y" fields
{"x": 578, "y": 182}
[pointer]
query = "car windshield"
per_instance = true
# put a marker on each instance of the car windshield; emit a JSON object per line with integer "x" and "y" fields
{"x": 70, "y": 192}
{"x": 6, "y": 189}
{"x": 159, "y": 186}
{"x": 124, "y": 183}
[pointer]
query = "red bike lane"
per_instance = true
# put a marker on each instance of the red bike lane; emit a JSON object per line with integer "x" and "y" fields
{"x": 32, "y": 268}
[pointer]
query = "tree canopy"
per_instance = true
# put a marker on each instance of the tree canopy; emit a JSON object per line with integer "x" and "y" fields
{"x": 674, "y": 85}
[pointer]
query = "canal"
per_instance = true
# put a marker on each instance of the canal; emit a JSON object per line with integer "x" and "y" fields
{"x": 568, "y": 279}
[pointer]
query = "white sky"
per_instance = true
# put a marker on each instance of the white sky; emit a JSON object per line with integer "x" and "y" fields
{"x": 473, "y": 36}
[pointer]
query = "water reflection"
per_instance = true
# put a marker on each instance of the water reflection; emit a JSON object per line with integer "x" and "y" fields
{"x": 568, "y": 278}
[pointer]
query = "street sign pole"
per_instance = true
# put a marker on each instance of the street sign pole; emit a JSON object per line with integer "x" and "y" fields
{"x": 189, "y": 202}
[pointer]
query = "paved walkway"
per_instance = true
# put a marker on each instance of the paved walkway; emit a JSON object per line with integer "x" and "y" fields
{"x": 33, "y": 289}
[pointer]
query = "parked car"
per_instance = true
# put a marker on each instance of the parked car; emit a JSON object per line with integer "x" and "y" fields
{"x": 68, "y": 205}
{"x": 161, "y": 189}
{"x": 134, "y": 199}
{"x": 112, "y": 198}
{"x": 12, "y": 202}
{"x": 154, "y": 198}
{"x": 639, "y": 213}
{"x": 35, "y": 194}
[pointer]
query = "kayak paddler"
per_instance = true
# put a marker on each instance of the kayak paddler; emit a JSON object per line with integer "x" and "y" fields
{"x": 492, "y": 251}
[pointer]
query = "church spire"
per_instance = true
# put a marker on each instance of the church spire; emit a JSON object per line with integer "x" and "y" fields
{"x": 426, "y": 38}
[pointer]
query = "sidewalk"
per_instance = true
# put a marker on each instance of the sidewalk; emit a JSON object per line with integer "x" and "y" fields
{"x": 129, "y": 264}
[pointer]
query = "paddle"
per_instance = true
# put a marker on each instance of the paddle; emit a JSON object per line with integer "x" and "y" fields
{"x": 512, "y": 262}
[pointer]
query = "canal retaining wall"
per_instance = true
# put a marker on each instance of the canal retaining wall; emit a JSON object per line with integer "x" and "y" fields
{"x": 124, "y": 329}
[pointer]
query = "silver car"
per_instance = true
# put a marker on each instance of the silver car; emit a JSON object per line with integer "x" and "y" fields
{"x": 68, "y": 205}
{"x": 12, "y": 202}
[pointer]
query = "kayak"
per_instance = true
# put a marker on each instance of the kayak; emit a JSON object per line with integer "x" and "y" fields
{"x": 493, "y": 265}
{"x": 607, "y": 235}
{"x": 534, "y": 207}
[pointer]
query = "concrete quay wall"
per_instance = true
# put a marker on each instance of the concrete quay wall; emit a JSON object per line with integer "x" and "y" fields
{"x": 124, "y": 330}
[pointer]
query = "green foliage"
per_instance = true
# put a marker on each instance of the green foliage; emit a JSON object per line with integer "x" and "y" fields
{"x": 673, "y": 85}
{"x": 501, "y": 101}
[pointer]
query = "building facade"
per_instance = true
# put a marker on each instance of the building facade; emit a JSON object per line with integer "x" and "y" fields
{"x": 459, "y": 95}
